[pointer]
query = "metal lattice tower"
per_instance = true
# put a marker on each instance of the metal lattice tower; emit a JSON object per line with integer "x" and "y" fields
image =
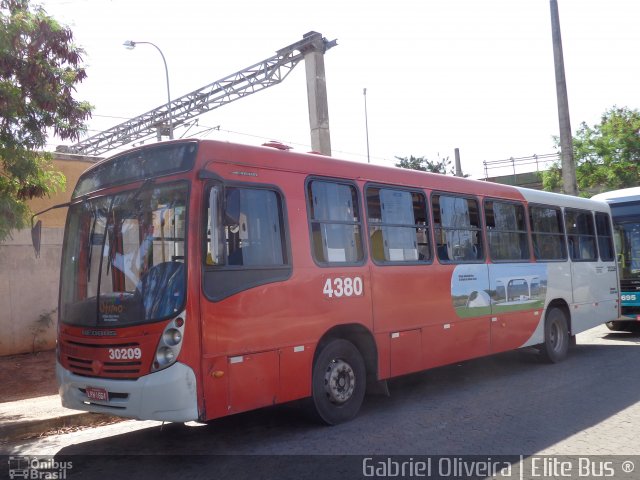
{"x": 245, "y": 82}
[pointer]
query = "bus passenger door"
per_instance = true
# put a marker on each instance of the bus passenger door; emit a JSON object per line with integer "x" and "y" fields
{"x": 593, "y": 269}
{"x": 594, "y": 294}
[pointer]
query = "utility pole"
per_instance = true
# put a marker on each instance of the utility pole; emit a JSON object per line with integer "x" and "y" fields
{"x": 566, "y": 140}
{"x": 317, "y": 92}
{"x": 366, "y": 123}
{"x": 458, "y": 163}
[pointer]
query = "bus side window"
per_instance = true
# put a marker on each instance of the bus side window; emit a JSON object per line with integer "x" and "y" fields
{"x": 506, "y": 231}
{"x": 547, "y": 232}
{"x": 581, "y": 235}
{"x": 245, "y": 227}
{"x": 247, "y": 243}
{"x": 335, "y": 222}
{"x": 398, "y": 230}
{"x": 457, "y": 229}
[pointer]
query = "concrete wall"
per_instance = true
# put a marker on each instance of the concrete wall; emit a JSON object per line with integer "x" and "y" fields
{"x": 29, "y": 292}
{"x": 29, "y": 285}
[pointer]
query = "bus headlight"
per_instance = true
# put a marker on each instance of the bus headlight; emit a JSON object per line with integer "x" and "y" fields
{"x": 165, "y": 356}
{"x": 169, "y": 345}
{"x": 172, "y": 337}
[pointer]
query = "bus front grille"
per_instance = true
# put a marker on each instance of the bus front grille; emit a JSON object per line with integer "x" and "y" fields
{"x": 91, "y": 360}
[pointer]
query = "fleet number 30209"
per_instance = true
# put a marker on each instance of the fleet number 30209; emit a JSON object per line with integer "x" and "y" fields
{"x": 125, "y": 353}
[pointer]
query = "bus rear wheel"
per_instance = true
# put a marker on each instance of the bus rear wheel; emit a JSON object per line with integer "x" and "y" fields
{"x": 555, "y": 347}
{"x": 623, "y": 326}
{"x": 614, "y": 326}
{"x": 339, "y": 382}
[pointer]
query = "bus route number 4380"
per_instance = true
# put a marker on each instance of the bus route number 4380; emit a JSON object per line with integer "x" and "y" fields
{"x": 339, "y": 287}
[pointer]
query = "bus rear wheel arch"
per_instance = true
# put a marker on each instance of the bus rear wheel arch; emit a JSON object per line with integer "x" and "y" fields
{"x": 557, "y": 338}
{"x": 339, "y": 381}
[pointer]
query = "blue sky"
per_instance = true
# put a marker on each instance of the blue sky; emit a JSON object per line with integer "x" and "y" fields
{"x": 477, "y": 75}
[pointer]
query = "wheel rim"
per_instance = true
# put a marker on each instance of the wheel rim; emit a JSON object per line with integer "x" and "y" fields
{"x": 339, "y": 381}
{"x": 555, "y": 337}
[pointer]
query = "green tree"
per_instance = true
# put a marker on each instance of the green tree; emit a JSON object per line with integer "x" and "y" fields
{"x": 606, "y": 155}
{"x": 442, "y": 165}
{"x": 39, "y": 69}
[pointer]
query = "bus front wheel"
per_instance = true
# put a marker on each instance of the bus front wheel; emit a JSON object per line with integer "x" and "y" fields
{"x": 339, "y": 382}
{"x": 556, "y": 336}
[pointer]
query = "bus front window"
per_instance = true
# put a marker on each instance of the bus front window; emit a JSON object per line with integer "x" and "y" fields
{"x": 627, "y": 238}
{"x": 123, "y": 258}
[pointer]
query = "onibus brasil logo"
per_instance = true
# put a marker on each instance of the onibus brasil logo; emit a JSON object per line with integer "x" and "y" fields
{"x": 38, "y": 468}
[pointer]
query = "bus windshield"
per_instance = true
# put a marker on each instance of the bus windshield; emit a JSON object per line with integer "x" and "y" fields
{"x": 626, "y": 222}
{"x": 123, "y": 260}
{"x": 628, "y": 247}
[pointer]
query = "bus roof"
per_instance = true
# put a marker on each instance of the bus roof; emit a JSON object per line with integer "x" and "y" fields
{"x": 559, "y": 199}
{"x": 619, "y": 196}
{"x": 317, "y": 164}
{"x": 212, "y": 152}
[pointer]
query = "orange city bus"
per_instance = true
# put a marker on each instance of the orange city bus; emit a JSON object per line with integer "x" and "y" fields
{"x": 202, "y": 278}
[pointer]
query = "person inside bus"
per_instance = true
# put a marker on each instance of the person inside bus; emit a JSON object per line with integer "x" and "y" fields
{"x": 422, "y": 240}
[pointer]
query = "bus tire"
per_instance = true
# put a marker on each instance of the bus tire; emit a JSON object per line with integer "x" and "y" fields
{"x": 614, "y": 326}
{"x": 338, "y": 382}
{"x": 623, "y": 326}
{"x": 555, "y": 347}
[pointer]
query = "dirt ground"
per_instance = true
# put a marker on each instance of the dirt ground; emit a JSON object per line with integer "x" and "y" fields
{"x": 28, "y": 375}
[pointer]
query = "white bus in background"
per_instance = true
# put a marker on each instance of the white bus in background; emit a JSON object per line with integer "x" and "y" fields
{"x": 625, "y": 212}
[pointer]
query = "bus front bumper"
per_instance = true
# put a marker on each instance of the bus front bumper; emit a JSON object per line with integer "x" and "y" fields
{"x": 168, "y": 395}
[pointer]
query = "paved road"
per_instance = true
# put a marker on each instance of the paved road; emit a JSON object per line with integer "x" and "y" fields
{"x": 509, "y": 404}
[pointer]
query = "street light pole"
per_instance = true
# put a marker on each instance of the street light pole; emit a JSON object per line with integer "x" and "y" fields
{"x": 130, "y": 44}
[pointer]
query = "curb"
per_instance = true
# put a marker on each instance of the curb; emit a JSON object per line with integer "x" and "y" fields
{"x": 34, "y": 428}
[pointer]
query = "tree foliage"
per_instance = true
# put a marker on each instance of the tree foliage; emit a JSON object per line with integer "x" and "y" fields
{"x": 39, "y": 69}
{"x": 442, "y": 165}
{"x": 606, "y": 155}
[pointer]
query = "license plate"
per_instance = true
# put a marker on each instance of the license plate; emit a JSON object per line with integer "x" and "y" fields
{"x": 97, "y": 393}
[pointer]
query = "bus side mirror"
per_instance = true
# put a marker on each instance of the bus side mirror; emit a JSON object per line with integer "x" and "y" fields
{"x": 36, "y": 230}
{"x": 36, "y": 237}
